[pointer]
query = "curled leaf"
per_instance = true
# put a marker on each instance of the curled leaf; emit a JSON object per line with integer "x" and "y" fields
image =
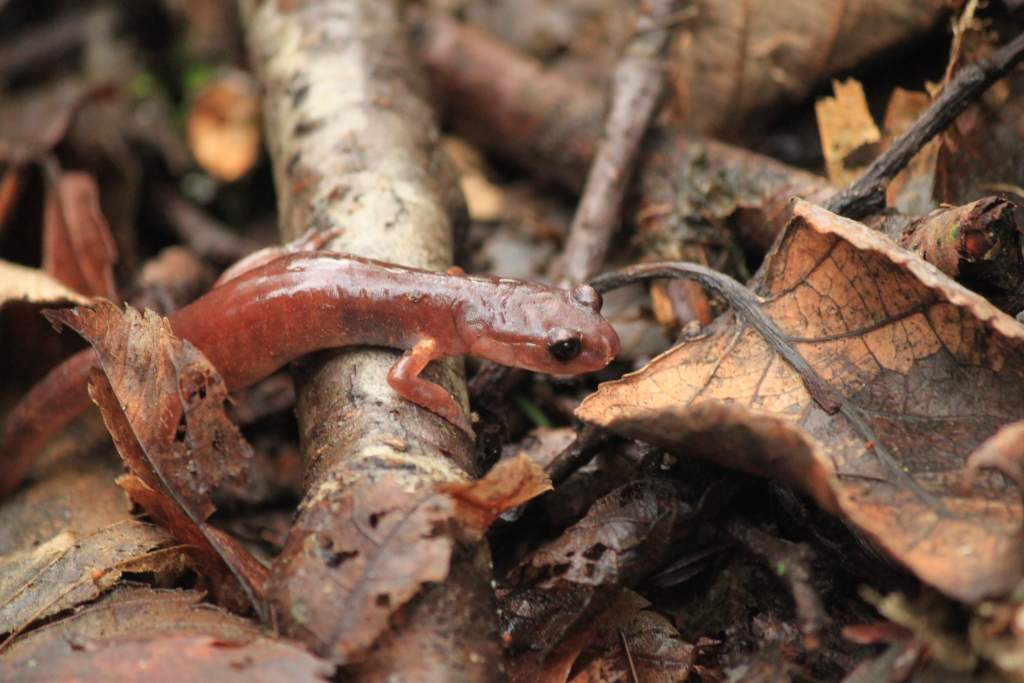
{"x": 925, "y": 370}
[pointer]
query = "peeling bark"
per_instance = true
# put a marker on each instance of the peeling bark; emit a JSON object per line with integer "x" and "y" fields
{"x": 354, "y": 144}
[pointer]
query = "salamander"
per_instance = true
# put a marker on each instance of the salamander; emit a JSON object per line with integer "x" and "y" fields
{"x": 276, "y": 307}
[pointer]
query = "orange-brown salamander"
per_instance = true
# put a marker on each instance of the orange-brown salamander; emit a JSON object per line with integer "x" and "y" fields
{"x": 273, "y": 310}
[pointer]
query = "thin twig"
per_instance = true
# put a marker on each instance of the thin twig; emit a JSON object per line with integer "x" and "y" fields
{"x": 629, "y": 657}
{"x": 748, "y": 307}
{"x": 638, "y": 85}
{"x": 867, "y": 194}
{"x": 577, "y": 454}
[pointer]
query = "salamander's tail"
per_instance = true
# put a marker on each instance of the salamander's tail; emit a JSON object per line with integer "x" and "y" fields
{"x": 50, "y": 405}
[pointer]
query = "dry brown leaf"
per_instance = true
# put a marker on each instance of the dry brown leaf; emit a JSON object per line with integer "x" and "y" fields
{"x": 44, "y": 508}
{"x": 129, "y": 610}
{"x": 11, "y": 184}
{"x": 224, "y": 126}
{"x": 174, "y": 658}
{"x": 927, "y": 368}
{"x": 78, "y": 248}
{"x": 21, "y": 283}
{"x": 565, "y": 583}
{"x": 740, "y": 58}
{"x": 542, "y": 445}
{"x": 68, "y": 570}
{"x": 384, "y": 544}
{"x": 163, "y": 403}
{"x": 511, "y": 482}
{"x": 484, "y": 199}
{"x": 598, "y": 653}
{"x": 848, "y": 133}
{"x": 147, "y": 615}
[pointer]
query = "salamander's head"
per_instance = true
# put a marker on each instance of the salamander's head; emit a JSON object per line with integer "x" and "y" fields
{"x": 555, "y": 331}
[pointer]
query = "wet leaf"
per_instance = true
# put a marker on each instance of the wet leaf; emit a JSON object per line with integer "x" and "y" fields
{"x": 68, "y": 570}
{"x": 163, "y": 403}
{"x": 624, "y": 536}
{"x": 926, "y": 371}
{"x": 224, "y": 126}
{"x": 78, "y": 248}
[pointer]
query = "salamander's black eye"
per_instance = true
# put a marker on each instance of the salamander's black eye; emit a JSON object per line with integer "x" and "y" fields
{"x": 564, "y": 345}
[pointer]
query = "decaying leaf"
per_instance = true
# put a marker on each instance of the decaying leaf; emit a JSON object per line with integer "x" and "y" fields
{"x": 565, "y": 583}
{"x": 342, "y": 586}
{"x": 385, "y": 543}
{"x": 925, "y": 371}
{"x": 626, "y": 643}
{"x": 68, "y": 570}
{"x": 153, "y": 619}
{"x": 848, "y": 133}
{"x": 224, "y": 126}
{"x": 643, "y": 646}
{"x": 78, "y": 248}
{"x": 163, "y": 404}
{"x": 188, "y": 438}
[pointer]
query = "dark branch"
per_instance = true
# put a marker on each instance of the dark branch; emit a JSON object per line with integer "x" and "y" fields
{"x": 867, "y": 194}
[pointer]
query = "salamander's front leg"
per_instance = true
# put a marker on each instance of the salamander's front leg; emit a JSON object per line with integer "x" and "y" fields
{"x": 311, "y": 240}
{"x": 404, "y": 378}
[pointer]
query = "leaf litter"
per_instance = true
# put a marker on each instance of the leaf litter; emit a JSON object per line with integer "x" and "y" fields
{"x": 929, "y": 368}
